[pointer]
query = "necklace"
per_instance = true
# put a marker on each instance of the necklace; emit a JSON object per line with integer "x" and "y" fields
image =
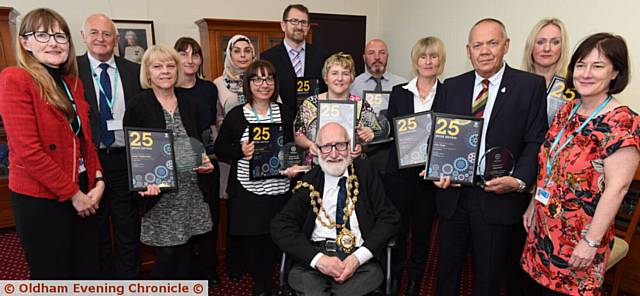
{"x": 346, "y": 240}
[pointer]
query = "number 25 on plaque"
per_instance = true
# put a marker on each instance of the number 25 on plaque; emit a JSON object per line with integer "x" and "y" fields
{"x": 141, "y": 139}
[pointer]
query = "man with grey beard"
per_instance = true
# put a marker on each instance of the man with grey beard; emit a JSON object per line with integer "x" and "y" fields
{"x": 330, "y": 259}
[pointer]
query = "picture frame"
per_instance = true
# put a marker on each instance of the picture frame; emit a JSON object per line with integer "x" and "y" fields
{"x": 136, "y": 36}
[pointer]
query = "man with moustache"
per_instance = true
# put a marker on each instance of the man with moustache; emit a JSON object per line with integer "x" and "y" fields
{"x": 109, "y": 82}
{"x": 513, "y": 106}
{"x": 330, "y": 260}
{"x": 376, "y": 78}
{"x": 294, "y": 57}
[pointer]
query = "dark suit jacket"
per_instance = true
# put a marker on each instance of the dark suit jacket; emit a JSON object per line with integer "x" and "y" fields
{"x": 313, "y": 62}
{"x": 518, "y": 122}
{"x": 401, "y": 104}
{"x": 129, "y": 73}
{"x": 291, "y": 229}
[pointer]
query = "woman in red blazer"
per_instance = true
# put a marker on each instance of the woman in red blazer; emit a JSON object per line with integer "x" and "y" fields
{"x": 54, "y": 176}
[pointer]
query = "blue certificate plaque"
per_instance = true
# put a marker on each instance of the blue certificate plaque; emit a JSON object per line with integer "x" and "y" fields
{"x": 454, "y": 148}
{"x": 150, "y": 158}
{"x": 268, "y": 140}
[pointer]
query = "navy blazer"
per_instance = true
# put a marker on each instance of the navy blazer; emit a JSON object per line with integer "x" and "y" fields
{"x": 518, "y": 122}
{"x": 129, "y": 73}
{"x": 313, "y": 63}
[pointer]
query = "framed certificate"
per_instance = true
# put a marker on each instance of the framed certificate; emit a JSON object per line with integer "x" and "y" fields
{"x": 306, "y": 87}
{"x": 454, "y": 148}
{"x": 150, "y": 158}
{"x": 557, "y": 96}
{"x": 412, "y": 133}
{"x": 268, "y": 140}
{"x": 342, "y": 112}
{"x": 378, "y": 100}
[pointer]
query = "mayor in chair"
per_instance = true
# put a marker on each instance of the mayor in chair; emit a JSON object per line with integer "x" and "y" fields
{"x": 336, "y": 252}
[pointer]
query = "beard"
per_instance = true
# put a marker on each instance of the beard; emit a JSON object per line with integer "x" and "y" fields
{"x": 377, "y": 68}
{"x": 296, "y": 35}
{"x": 337, "y": 168}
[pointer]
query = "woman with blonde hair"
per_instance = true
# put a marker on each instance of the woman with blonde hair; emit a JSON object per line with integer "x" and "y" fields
{"x": 338, "y": 73}
{"x": 55, "y": 177}
{"x": 546, "y": 51}
{"x": 171, "y": 218}
{"x": 412, "y": 196}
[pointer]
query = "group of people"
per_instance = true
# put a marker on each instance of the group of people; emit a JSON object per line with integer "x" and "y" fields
{"x": 64, "y": 119}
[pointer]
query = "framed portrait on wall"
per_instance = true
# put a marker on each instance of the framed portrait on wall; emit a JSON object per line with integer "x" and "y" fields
{"x": 135, "y": 37}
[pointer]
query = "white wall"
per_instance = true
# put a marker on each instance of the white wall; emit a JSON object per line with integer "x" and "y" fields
{"x": 174, "y": 19}
{"x": 403, "y": 22}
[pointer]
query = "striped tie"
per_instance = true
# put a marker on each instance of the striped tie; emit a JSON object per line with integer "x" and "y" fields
{"x": 297, "y": 62}
{"x": 481, "y": 100}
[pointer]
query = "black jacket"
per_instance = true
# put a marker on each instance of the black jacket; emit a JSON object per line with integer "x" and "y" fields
{"x": 129, "y": 73}
{"x": 378, "y": 219}
{"x": 518, "y": 121}
{"x": 313, "y": 63}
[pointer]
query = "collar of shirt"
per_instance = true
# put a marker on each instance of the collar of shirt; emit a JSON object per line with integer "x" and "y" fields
{"x": 95, "y": 63}
{"x": 412, "y": 86}
{"x": 494, "y": 81}
{"x": 289, "y": 48}
{"x": 331, "y": 181}
{"x": 368, "y": 77}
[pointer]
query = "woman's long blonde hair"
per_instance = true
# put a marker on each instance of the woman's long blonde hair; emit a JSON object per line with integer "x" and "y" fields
{"x": 563, "y": 61}
{"x": 45, "y": 19}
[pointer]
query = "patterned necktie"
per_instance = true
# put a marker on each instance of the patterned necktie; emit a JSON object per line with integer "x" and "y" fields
{"x": 481, "y": 100}
{"x": 378, "y": 81}
{"x": 297, "y": 62}
{"x": 106, "y": 137}
{"x": 342, "y": 198}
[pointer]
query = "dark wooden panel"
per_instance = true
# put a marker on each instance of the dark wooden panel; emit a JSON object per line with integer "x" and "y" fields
{"x": 346, "y": 33}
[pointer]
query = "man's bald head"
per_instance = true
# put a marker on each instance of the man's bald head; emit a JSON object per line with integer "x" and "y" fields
{"x": 375, "y": 57}
{"x": 335, "y": 137}
{"x": 332, "y": 132}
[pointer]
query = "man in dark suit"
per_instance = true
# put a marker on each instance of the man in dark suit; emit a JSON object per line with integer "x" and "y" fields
{"x": 330, "y": 259}
{"x": 294, "y": 57}
{"x": 109, "y": 83}
{"x": 513, "y": 106}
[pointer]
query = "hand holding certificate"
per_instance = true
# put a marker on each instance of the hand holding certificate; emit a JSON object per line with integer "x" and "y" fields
{"x": 150, "y": 159}
{"x": 454, "y": 148}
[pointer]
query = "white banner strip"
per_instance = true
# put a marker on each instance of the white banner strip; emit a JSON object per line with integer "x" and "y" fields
{"x": 104, "y": 288}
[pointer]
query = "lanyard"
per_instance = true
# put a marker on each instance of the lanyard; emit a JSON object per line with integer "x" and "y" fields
{"x": 73, "y": 103}
{"x": 253, "y": 109}
{"x": 115, "y": 87}
{"x": 552, "y": 160}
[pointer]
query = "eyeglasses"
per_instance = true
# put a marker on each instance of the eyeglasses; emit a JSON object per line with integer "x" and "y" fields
{"x": 257, "y": 81}
{"x": 44, "y": 37}
{"x": 296, "y": 22}
{"x": 340, "y": 146}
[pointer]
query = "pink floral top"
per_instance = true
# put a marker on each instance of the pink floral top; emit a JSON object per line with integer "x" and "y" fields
{"x": 575, "y": 188}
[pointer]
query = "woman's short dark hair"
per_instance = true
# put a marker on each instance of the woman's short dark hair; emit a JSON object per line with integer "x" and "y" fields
{"x": 184, "y": 43}
{"x": 252, "y": 71}
{"x": 614, "y": 48}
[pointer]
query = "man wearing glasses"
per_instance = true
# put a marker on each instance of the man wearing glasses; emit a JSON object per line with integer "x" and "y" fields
{"x": 109, "y": 82}
{"x": 337, "y": 239}
{"x": 294, "y": 57}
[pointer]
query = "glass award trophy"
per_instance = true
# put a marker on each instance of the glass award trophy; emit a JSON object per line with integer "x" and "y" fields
{"x": 497, "y": 162}
{"x": 293, "y": 156}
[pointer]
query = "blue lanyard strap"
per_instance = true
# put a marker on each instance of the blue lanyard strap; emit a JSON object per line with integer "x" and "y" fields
{"x": 75, "y": 108}
{"x": 115, "y": 87}
{"x": 253, "y": 109}
{"x": 551, "y": 161}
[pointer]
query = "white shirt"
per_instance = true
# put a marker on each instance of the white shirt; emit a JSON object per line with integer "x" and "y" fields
{"x": 118, "y": 102}
{"x": 320, "y": 233}
{"x": 302, "y": 50}
{"x": 418, "y": 104}
{"x": 494, "y": 84}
